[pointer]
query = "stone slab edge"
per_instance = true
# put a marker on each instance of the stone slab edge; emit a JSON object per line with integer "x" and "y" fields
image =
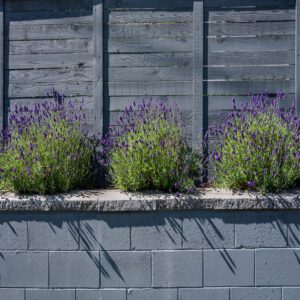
{"x": 118, "y": 201}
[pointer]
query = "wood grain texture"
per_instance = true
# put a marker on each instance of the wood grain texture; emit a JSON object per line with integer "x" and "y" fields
{"x": 251, "y": 73}
{"x": 244, "y": 87}
{"x": 40, "y": 89}
{"x": 50, "y": 75}
{"x": 150, "y": 45}
{"x": 246, "y": 15}
{"x": 250, "y": 58}
{"x": 249, "y": 3}
{"x": 132, "y": 17}
{"x": 258, "y": 43}
{"x": 150, "y": 74}
{"x": 182, "y": 102}
{"x": 156, "y": 88}
{"x": 50, "y": 32}
{"x": 50, "y": 46}
{"x": 198, "y": 45}
{"x": 251, "y": 29}
{"x": 47, "y": 61}
{"x": 297, "y": 58}
{"x": 98, "y": 66}
{"x": 157, "y": 30}
{"x": 171, "y": 59}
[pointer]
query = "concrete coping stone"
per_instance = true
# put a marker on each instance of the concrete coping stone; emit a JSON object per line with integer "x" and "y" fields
{"x": 110, "y": 200}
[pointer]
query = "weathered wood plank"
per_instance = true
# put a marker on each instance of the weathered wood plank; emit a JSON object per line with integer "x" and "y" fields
{"x": 217, "y": 104}
{"x": 151, "y": 88}
{"x": 40, "y": 89}
{"x": 129, "y": 17}
{"x": 98, "y": 66}
{"x": 150, "y": 74}
{"x": 50, "y": 46}
{"x": 2, "y": 64}
{"x": 50, "y": 75}
{"x": 246, "y": 29}
{"x": 88, "y": 102}
{"x": 249, "y": 3}
{"x": 48, "y": 17}
{"x": 149, "y": 45}
{"x": 158, "y": 30}
{"x": 182, "y": 102}
{"x": 251, "y": 73}
{"x": 258, "y": 43}
{"x": 297, "y": 58}
{"x": 244, "y": 87}
{"x": 151, "y": 60}
{"x": 50, "y": 32}
{"x": 37, "y": 5}
{"x": 198, "y": 45}
{"x": 254, "y": 15}
{"x": 244, "y": 58}
{"x": 149, "y": 4}
{"x": 47, "y": 61}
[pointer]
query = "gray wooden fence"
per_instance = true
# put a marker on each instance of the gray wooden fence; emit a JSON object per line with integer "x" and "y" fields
{"x": 111, "y": 52}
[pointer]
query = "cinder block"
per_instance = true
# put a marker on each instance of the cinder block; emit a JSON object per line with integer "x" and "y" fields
{"x": 255, "y": 294}
{"x": 228, "y": 267}
{"x": 293, "y": 221}
{"x": 205, "y": 229}
{"x": 13, "y": 232}
{"x": 260, "y": 229}
{"x": 105, "y": 232}
{"x": 158, "y": 230}
{"x": 291, "y": 294}
{"x": 58, "y": 231}
{"x": 50, "y": 294}
{"x": 74, "y": 269}
{"x": 24, "y": 269}
{"x": 12, "y": 294}
{"x": 151, "y": 294}
{"x": 276, "y": 267}
{"x": 177, "y": 268}
{"x": 204, "y": 294}
{"x": 101, "y": 295}
{"x": 125, "y": 269}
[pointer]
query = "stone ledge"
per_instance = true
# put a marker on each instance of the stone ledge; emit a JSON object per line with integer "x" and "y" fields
{"x": 118, "y": 201}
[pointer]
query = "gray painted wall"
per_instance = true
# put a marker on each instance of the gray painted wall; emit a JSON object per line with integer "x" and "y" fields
{"x": 196, "y": 53}
{"x": 181, "y": 255}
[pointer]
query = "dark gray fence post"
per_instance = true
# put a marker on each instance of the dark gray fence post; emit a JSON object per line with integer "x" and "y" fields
{"x": 197, "y": 72}
{"x": 1, "y": 64}
{"x": 297, "y": 58}
{"x": 98, "y": 65}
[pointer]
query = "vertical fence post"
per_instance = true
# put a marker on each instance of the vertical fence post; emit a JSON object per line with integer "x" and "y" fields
{"x": 197, "y": 73}
{"x": 1, "y": 64}
{"x": 297, "y": 58}
{"x": 98, "y": 66}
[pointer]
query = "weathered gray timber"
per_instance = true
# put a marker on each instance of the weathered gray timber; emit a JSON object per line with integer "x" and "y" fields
{"x": 195, "y": 53}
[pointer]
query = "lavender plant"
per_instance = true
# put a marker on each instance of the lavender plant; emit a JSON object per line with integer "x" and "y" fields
{"x": 258, "y": 147}
{"x": 147, "y": 151}
{"x": 45, "y": 148}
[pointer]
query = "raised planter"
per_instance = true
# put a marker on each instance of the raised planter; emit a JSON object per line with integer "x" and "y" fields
{"x": 113, "y": 245}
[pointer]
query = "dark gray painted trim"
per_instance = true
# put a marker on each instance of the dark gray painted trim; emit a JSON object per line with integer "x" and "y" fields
{"x": 1, "y": 64}
{"x": 197, "y": 73}
{"x": 297, "y": 58}
{"x": 98, "y": 66}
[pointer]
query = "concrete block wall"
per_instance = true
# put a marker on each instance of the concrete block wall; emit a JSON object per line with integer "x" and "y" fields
{"x": 175, "y": 255}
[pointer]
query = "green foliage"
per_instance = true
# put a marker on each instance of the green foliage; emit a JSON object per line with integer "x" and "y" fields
{"x": 151, "y": 153}
{"x": 259, "y": 148}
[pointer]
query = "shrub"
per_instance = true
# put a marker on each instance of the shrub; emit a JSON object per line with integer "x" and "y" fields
{"x": 46, "y": 150}
{"x": 147, "y": 151}
{"x": 258, "y": 147}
